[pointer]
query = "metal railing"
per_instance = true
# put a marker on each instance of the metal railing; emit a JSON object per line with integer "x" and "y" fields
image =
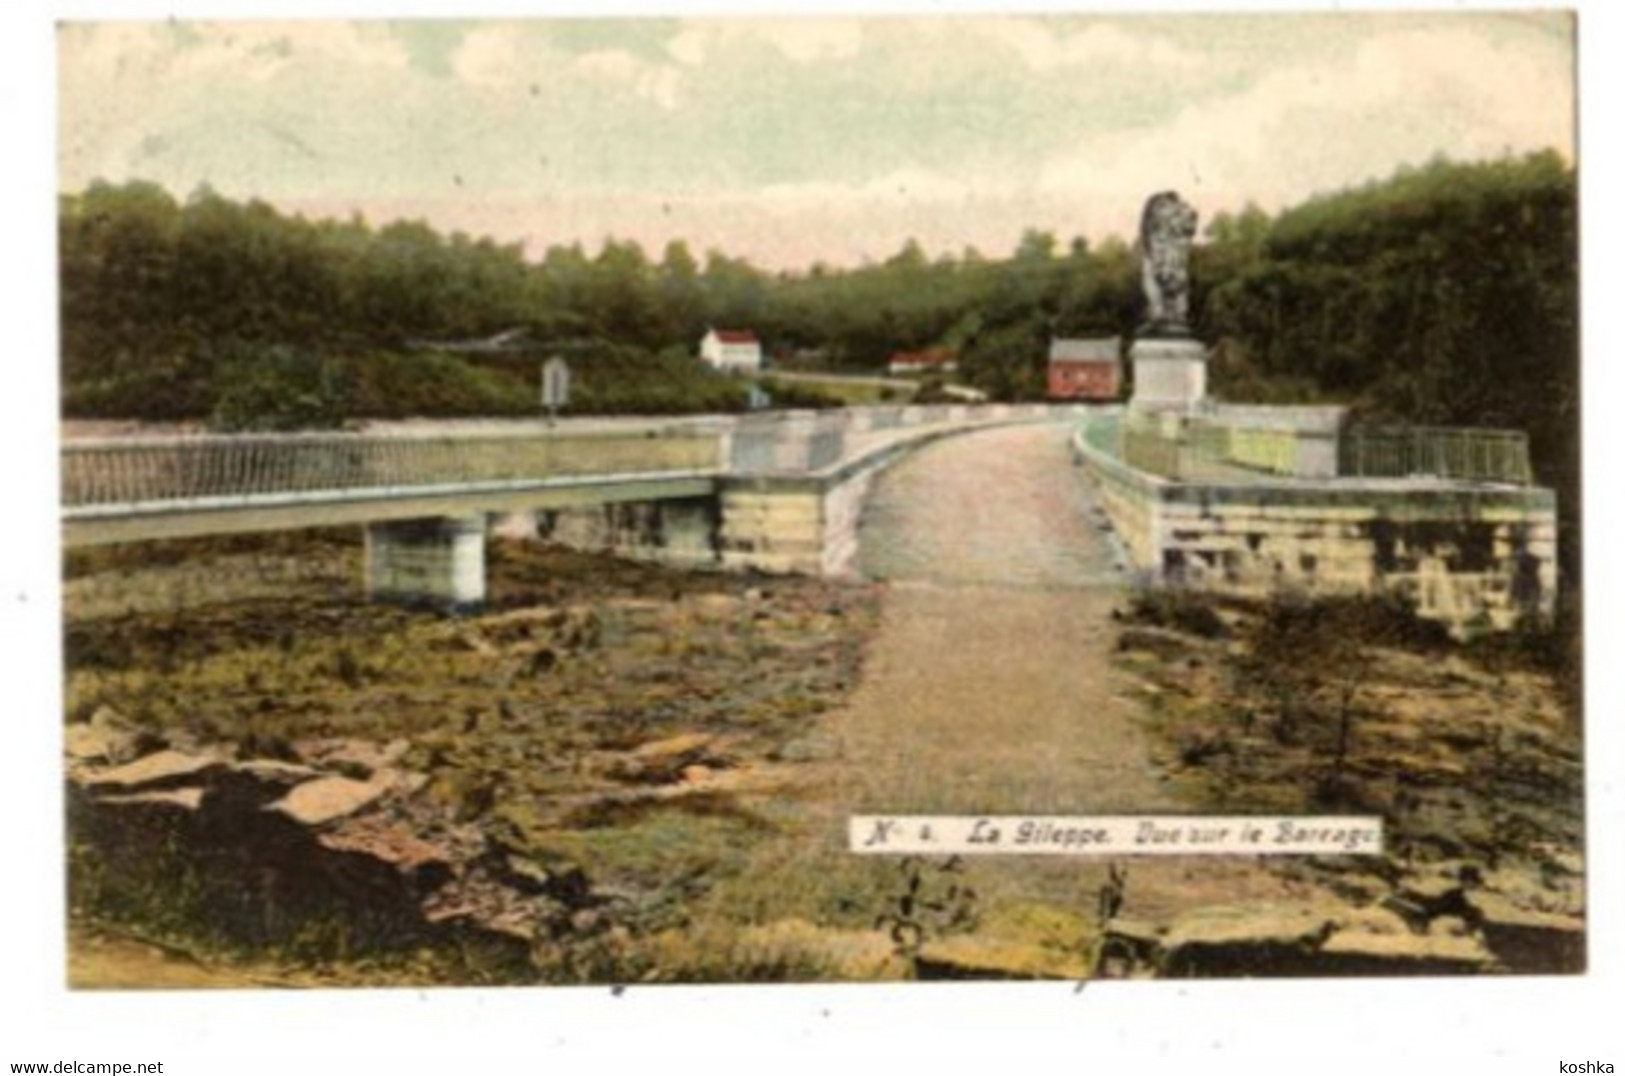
{"x": 787, "y": 442}
{"x": 141, "y": 470}
{"x": 105, "y": 475}
{"x": 1273, "y": 451}
{"x": 1152, "y": 451}
{"x": 1473, "y": 455}
{"x": 1194, "y": 449}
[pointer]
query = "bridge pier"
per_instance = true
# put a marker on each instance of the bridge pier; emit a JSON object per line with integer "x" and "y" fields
{"x": 438, "y": 561}
{"x": 688, "y": 532}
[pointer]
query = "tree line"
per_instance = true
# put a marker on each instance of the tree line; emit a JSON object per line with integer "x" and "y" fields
{"x": 203, "y": 307}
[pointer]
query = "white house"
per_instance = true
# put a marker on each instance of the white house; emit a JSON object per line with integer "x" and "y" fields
{"x": 732, "y": 349}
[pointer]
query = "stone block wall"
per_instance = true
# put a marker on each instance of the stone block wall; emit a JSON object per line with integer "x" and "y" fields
{"x": 680, "y": 532}
{"x": 1473, "y": 557}
{"x": 804, "y": 526}
{"x": 1127, "y": 499}
{"x": 772, "y": 526}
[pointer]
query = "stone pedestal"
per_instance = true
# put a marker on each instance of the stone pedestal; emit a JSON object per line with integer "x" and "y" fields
{"x": 438, "y": 562}
{"x": 1170, "y": 374}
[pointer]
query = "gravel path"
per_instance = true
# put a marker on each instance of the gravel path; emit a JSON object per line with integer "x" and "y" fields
{"x": 990, "y": 686}
{"x": 1002, "y": 508}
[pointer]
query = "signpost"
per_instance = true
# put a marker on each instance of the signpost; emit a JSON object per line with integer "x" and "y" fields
{"x": 555, "y": 386}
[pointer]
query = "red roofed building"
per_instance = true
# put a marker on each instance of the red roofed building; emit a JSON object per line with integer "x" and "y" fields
{"x": 931, "y": 360}
{"x": 732, "y": 349}
{"x": 1085, "y": 369}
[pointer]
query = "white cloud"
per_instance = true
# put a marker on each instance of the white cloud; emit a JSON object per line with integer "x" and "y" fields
{"x": 489, "y": 57}
{"x": 691, "y": 44}
{"x": 907, "y": 185}
{"x": 801, "y": 41}
{"x": 654, "y": 82}
{"x": 1048, "y": 47}
{"x": 1400, "y": 98}
{"x": 919, "y": 184}
{"x": 814, "y": 40}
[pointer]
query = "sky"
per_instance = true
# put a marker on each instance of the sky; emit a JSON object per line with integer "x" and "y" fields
{"x": 798, "y": 140}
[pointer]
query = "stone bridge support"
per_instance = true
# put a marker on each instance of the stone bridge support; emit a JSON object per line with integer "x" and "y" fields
{"x": 681, "y": 532}
{"x": 437, "y": 562}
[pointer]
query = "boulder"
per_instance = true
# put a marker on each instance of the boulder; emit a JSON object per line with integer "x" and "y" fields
{"x": 1527, "y": 940}
{"x": 276, "y": 772}
{"x": 251, "y": 785}
{"x": 106, "y": 738}
{"x": 689, "y": 746}
{"x": 1433, "y": 896}
{"x": 1367, "y": 952}
{"x": 967, "y": 956}
{"x": 161, "y": 769}
{"x": 1229, "y": 941}
{"x": 395, "y": 845}
{"x": 553, "y": 877}
{"x": 185, "y": 800}
{"x": 328, "y": 799}
{"x": 354, "y": 758}
{"x": 664, "y": 761}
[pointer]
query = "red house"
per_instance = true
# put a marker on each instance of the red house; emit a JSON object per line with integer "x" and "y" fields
{"x": 931, "y": 360}
{"x": 1085, "y": 369}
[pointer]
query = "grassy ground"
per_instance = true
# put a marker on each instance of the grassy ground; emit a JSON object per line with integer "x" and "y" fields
{"x": 529, "y": 718}
{"x": 1472, "y": 755}
{"x": 852, "y": 393}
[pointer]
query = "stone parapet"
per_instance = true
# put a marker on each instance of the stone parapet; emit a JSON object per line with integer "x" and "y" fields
{"x": 1476, "y": 557}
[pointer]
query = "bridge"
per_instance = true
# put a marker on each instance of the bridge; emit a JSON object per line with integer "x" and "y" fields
{"x": 779, "y": 492}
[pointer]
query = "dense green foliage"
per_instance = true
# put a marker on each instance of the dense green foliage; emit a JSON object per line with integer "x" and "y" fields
{"x": 1445, "y": 295}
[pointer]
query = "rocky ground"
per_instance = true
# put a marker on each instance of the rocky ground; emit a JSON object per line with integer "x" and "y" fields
{"x": 258, "y": 761}
{"x": 1470, "y": 754}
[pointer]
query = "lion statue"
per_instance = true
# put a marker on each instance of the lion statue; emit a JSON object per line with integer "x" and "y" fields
{"x": 1166, "y": 228}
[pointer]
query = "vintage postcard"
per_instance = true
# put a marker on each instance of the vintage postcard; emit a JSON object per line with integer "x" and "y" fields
{"x": 568, "y": 501}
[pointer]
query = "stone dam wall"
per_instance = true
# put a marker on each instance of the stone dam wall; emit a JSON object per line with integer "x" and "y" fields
{"x": 1473, "y": 556}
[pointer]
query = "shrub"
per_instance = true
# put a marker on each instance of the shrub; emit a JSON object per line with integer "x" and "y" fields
{"x": 788, "y": 394}
{"x": 1179, "y": 610}
{"x": 274, "y": 387}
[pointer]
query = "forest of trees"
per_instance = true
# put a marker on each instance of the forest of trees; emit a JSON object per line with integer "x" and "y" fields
{"x": 177, "y": 310}
{"x": 1446, "y": 294}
